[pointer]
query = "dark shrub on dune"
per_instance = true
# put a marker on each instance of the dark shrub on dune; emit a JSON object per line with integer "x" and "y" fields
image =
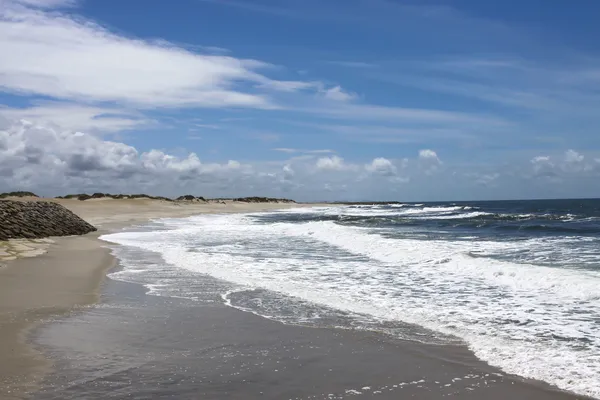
{"x": 263, "y": 200}
{"x": 84, "y": 196}
{"x": 17, "y": 194}
{"x": 189, "y": 197}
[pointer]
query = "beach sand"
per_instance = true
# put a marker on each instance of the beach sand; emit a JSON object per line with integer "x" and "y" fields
{"x": 211, "y": 352}
{"x": 66, "y": 274}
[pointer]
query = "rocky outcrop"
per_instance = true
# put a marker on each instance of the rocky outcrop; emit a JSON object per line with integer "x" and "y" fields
{"x": 38, "y": 219}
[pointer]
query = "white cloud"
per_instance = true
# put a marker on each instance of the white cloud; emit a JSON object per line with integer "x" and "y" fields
{"x": 484, "y": 179}
{"x": 207, "y": 126}
{"x": 68, "y": 58}
{"x": 429, "y": 161}
{"x": 336, "y": 93}
{"x": 44, "y": 3}
{"x": 47, "y": 158}
{"x": 428, "y": 117}
{"x": 289, "y": 86}
{"x": 319, "y": 151}
{"x": 333, "y": 163}
{"x": 80, "y": 117}
{"x": 56, "y": 55}
{"x": 427, "y": 154}
{"x": 543, "y": 167}
{"x": 50, "y": 160}
{"x": 571, "y": 156}
{"x": 288, "y": 172}
{"x": 572, "y": 164}
{"x": 303, "y": 151}
{"x": 382, "y": 166}
{"x": 352, "y": 64}
{"x": 540, "y": 160}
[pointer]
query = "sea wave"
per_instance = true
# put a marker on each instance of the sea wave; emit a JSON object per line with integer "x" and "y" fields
{"x": 537, "y": 321}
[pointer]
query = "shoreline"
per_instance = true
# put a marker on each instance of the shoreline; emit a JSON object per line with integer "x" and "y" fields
{"x": 90, "y": 261}
{"x": 215, "y": 351}
{"x": 32, "y": 294}
{"x": 68, "y": 277}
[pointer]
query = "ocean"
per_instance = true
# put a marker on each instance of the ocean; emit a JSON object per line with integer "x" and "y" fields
{"x": 518, "y": 282}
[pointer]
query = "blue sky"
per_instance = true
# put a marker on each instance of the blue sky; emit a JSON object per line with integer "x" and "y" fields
{"x": 315, "y": 100}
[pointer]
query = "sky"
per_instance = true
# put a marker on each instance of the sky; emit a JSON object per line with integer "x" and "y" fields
{"x": 315, "y": 100}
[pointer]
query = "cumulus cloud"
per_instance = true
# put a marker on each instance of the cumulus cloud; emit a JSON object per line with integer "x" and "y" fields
{"x": 571, "y": 156}
{"x": 382, "y": 166}
{"x": 48, "y": 158}
{"x": 288, "y": 172}
{"x": 543, "y": 167}
{"x": 331, "y": 163}
{"x": 571, "y": 164}
{"x": 429, "y": 161}
{"x": 429, "y": 155}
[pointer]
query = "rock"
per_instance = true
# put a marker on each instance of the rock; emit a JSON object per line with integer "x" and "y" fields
{"x": 39, "y": 219}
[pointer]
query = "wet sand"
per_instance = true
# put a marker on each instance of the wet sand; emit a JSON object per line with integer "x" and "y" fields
{"x": 136, "y": 346}
{"x": 147, "y": 347}
{"x": 34, "y": 289}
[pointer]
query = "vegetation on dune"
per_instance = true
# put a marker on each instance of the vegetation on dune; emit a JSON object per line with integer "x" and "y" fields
{"x": 187, "y": 197}
{"x": 84, "y": 196}
{"x": 17, "y": 194}
{"x": 263, "y": 200}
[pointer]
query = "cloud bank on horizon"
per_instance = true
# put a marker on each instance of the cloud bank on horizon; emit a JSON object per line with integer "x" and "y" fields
{"x": 314, "y": 101}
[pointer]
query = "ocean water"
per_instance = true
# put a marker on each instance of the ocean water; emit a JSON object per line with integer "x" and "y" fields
{"x": 516, "y": 281}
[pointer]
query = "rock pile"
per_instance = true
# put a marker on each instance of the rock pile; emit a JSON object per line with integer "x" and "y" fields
{"x": 38, "y": 219}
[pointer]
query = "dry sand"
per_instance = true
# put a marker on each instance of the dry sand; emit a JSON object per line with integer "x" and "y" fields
{"x": 42, "y": 279}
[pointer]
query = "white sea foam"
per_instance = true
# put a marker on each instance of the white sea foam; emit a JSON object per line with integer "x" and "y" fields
{"x": 473, "y": 214}
{"x": 370, "y": 211}
{"x": 532, "y": 320}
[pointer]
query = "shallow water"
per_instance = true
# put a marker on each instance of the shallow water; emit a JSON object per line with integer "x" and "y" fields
{"x": 134, "y": 346}
{"x": 518, "y": 282}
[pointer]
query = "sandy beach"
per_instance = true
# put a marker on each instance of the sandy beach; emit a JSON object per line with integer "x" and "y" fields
{"x": 67, "y": 276}
{"x": 302, "y": 363}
